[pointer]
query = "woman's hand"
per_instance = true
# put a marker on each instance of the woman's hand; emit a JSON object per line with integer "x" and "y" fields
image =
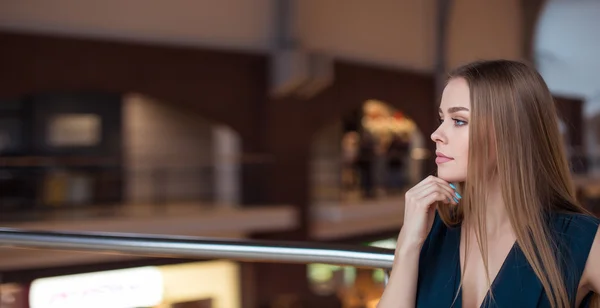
{"x": 419, "y": 210}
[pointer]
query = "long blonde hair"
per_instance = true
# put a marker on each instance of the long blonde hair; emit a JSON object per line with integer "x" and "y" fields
{"x": 513, "y": 116}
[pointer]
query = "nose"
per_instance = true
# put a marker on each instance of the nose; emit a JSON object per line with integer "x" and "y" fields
{"x": 439, "y": 136}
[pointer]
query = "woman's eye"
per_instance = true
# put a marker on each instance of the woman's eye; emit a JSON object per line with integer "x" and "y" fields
{"x": 458, "y": 122}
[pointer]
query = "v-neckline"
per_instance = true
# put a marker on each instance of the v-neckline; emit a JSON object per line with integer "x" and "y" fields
{"x": 496, "y": 279}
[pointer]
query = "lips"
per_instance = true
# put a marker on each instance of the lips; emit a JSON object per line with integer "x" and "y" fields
{"x": 441, "y": 158}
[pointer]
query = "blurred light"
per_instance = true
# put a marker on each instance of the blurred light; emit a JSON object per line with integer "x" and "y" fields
{"x": 378, "y": 275}
{"x": 389, "y": 243}
{"x": 137, "y": 287}
{"x": 320, "y": 273}
{"x": 420, "y": 153}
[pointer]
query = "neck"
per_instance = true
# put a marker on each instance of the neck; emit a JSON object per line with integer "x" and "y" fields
{"x": 497, "y": 220}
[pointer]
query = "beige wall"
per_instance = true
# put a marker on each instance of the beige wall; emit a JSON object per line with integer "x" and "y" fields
{"x": 157, "y": 135}
{"x": 487, "y": 29}
{"x": 384, "y": 32}
{"x": 244, "y": 24}
{"x": 388, "y": 32}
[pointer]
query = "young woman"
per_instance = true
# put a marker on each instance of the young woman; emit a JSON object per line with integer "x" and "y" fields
{"x": 499, "y": 226}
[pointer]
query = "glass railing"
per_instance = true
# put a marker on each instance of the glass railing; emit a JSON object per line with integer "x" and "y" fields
{"x": 38, "y": 188}
{"x": 351, "y": 275}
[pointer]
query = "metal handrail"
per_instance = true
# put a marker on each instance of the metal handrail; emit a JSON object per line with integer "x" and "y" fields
{"x": 200, "y": 248}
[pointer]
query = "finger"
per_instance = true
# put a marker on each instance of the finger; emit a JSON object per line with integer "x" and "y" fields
{"x": 434, "y": 179}
{"x": 446, "y": 185}
{"x": 440, "y": 181}
{"x": 433, "y": 197}
{"x": 454, "y": 195}
{"x": 416, "y": 192}
{"x": 436, "y": 187}
{"x": 425, "y": 189}
{"x": 420, "y": 193}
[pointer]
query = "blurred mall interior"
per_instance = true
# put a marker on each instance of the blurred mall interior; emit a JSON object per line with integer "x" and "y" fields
{"x": 286, "y": 120}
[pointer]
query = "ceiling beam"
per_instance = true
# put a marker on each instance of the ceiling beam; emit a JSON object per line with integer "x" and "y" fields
{"x": 443, "y": 15}
{"x": 531, "y": 11}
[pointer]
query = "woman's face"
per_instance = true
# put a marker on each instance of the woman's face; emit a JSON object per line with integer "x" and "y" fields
{"x": 452, "y": 136}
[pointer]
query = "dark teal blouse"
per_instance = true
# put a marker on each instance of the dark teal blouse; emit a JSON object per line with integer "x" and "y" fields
{"x": 516, "y": 284}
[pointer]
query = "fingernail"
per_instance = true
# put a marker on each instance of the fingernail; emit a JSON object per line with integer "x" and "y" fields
{"x": 452, "y": 185}
{"x": 455, "y": 200}
{"x": 458, "y": 195}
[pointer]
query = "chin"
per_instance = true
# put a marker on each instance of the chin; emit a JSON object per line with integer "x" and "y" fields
{"x": 451, "y": 177}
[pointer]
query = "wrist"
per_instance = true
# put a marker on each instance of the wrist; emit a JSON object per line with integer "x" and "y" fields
{"x": 407, "y": 243}
{"x": 408, "y": 249}
{"x": 407, "y": 253}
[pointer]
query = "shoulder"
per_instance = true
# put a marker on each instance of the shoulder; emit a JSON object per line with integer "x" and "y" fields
{"x": 575, "y": 231}
{"x": 574, "y": 223}
{"x": 578, "y": 240}
{"x": 590, "y": 278}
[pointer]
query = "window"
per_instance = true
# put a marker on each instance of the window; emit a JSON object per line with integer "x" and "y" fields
{"x": 74, "y": 130}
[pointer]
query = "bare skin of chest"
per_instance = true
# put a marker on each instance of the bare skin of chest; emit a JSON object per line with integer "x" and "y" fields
{"x": 475, "y": 284}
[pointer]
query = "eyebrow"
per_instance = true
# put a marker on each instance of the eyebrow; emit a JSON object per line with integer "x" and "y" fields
{"x": 455, "y": 109}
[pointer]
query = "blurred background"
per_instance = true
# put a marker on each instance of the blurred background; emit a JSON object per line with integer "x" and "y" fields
{"x": 301, "y": 120}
